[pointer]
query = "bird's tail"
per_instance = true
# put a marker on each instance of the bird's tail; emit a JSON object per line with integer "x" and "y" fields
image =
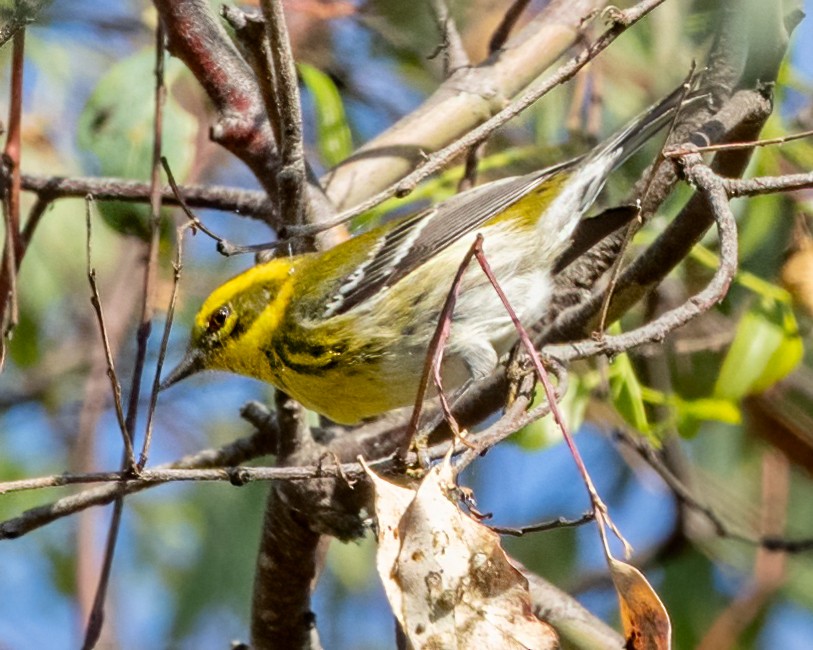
{"x": 619, "y": 147}
{"x": 589, "y": 175}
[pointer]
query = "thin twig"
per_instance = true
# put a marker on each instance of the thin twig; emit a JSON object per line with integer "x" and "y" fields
{"x": 470, "y": 167}
{"x": 12, "y": 152}
{"x": 687, "y": 498}
{"x": 222, "y": 465}
{"x": 35, "y": 214}
{"x": 155, "y": 225}
{"x": 224, "y": 246}
{"x": 745, "y": 111}
{"x": 736, "y": 187}
{"x": 8, "y": 282}
{"x": 162, "y": 350}
{"x": 96, "y": 617}
{"x": 599, "y": 508}
{"x": 679, "y": 151}
{"x": 434, "y": 357}
{"x": 193, "y": 223}
{"x": 640, "y": 219}
{"x": 559, "y": 522}
{"x": 455, "y": 57}
{"x": 575, "y": 120}
{"x": 713, "y": 190}
{"x": 232, "y": 454}
{"x": 96, "y": 301}
{"x": 451, "y": 45}
{"x": 95, "y": 623}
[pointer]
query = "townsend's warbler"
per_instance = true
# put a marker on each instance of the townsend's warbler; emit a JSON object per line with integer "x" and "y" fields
{"x": 345, "y": 331}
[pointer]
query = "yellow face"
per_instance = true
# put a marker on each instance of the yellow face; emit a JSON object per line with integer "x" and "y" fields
{"x": 236, "y": 321}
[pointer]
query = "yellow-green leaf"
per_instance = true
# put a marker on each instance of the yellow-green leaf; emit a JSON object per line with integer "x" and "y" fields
{"x": 626, "y": 393}
{"x": 332, "y": 132}
{"x": 766, "y": 348}
{"x": 709, "y": 408}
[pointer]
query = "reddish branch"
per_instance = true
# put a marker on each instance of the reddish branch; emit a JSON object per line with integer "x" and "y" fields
{"x": 10, "y": 194}
{"x": 242, "y": 126}
{"x": 195, "y": 37}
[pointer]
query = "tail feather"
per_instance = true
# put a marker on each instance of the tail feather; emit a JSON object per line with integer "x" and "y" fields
{"x": 624, "y": 143}
{"x": 588, "y": 178}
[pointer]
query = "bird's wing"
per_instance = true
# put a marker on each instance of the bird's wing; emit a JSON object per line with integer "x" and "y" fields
{"x": 417, "y": 238}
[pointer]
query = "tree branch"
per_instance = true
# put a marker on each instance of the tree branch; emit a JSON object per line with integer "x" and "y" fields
{"x": 195, "y": 37}
{"x": 248, "y": 203}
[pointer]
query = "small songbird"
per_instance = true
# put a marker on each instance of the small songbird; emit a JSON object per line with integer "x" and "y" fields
{"x": 345, "y": 331}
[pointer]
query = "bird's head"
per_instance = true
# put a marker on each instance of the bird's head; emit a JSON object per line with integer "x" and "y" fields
{"x": 235, "y": 322}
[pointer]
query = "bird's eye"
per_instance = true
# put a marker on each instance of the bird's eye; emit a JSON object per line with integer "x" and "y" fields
{"x": 218, "y": 319}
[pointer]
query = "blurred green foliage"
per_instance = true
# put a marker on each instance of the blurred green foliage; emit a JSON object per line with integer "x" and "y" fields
{"x": 117, "y": 128}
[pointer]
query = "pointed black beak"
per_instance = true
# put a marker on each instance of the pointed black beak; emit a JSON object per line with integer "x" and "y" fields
{"x": 189, "y": 365}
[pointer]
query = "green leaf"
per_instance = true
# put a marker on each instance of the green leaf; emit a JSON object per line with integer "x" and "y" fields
{"x": 332, "y": 131}
{"x": 687, "y": 414}
{"x": 766, "y": 348}
{"x": 24, "y": 348}
{"x": 691, "y": 413}
{"x": 116, "y": 127}
{"x": 626, "y": 393}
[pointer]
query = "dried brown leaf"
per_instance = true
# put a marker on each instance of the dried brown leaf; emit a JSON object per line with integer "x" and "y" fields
{"x": 645, "y": 619}
{"x": 448, "y": 580}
